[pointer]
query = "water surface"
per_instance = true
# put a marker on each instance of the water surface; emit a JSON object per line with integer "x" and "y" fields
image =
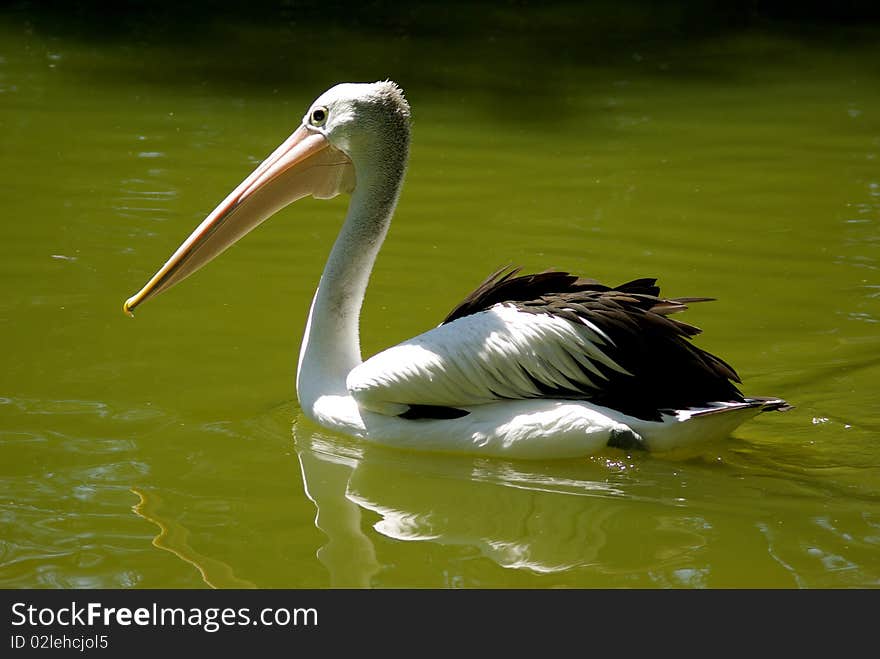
{"x": 169, "y": 451}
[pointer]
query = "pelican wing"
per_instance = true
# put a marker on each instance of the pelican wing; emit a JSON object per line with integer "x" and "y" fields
{"x": 613, "y": 346}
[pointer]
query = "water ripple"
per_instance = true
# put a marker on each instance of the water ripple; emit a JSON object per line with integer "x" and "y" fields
{"x": 65, "y": 502}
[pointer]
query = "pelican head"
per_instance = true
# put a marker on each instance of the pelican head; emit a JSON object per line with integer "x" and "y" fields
{"x": 353, "y": 132}
{"x": 364, "y": 121}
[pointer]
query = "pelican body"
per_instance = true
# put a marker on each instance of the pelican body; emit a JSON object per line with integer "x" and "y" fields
{"x": 527, "y": 366}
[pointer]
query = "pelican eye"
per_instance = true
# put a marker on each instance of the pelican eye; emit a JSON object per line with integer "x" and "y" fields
{"x": 319, "y": 116}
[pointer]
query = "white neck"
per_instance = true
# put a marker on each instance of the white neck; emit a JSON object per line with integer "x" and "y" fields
{"x": 331, "y": 344}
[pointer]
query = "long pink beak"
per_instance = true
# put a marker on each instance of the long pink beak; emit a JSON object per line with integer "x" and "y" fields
{"x": 305, "y": 164}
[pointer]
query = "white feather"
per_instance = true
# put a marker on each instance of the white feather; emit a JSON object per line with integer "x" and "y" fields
{"x": 527, "y": 429}
{"x": 479, "y": 359}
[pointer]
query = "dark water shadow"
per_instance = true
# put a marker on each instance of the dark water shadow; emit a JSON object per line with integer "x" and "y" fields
{"x": 487, "y": 53}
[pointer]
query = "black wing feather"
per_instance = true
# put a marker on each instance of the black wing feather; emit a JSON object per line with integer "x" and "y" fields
{"x": 666, "y": 371}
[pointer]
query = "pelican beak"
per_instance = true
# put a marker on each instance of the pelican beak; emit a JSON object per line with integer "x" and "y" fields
{"x": 305, "y": 164}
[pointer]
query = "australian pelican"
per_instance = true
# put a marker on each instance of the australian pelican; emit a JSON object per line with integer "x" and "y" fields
{"x": 528, "y": 366}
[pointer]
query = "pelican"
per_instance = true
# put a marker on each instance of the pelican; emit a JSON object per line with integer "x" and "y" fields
{"x": 548, "y": 365}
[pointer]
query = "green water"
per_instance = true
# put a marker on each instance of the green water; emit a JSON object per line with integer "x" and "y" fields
{"x": 169, "y": 451}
